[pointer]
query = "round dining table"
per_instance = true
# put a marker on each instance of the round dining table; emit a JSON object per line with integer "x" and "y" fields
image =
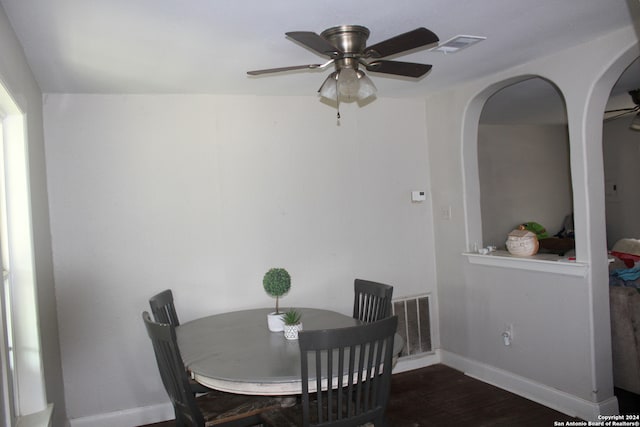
{"x": 235, "y": 351}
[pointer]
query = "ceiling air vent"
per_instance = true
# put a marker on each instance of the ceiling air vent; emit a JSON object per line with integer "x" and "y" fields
{"x": 457, "y": 43}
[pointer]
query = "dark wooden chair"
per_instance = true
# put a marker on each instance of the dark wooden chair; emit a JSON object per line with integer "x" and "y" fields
{"x": 363, "y": 354}
{"x": 212, "y": 409}
{"x": 163, "y": 309}
{"x": 371, "y": 300}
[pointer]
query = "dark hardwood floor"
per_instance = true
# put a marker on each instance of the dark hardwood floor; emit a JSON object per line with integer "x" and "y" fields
{"x": 441, "y": 396}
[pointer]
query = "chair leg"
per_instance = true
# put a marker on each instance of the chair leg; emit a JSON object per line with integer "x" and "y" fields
{"x": 382, "y": 421}
{"x": 179, "y": 420}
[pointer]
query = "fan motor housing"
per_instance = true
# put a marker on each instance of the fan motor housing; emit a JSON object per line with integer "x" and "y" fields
{"x": 350, "y": 39}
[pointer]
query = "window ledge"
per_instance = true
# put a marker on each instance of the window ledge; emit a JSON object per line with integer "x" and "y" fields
{"x": 547, "y": 263}
{"x": 39, "y": 419}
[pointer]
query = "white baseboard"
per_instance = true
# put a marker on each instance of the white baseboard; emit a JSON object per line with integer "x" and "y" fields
{"x": 555, "y": 399}
{"x": 416, "y": 362}
{"x": 127, "y": 418}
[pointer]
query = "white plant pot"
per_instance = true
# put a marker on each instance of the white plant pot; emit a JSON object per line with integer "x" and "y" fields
{"x": 522, "y": 242}
{"x": 275, "y": 322}
{"x": 291, "y": 331}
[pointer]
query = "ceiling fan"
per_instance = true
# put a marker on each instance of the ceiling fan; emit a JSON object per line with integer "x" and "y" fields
{"x": 635, "y": 123}
{"x": 346, "y": 47}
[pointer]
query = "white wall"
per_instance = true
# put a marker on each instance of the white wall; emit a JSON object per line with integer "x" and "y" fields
{"x": 524, "y": 176}
{"x": 561, "y": 350}
{"x": 18, "y": 79}
{"x": 203, "y": 194}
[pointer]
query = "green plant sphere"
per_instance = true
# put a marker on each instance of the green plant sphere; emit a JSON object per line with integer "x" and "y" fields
{"x": 276, "y": 282}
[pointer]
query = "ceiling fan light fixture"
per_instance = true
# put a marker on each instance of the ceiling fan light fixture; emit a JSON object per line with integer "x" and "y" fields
{"x": 348, "y": 83}
{"x": 367, "y": 88}
{"x": 329, "y": 88}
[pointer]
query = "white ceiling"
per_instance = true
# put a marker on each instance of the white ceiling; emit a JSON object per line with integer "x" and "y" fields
{"x": 206, "y": 46}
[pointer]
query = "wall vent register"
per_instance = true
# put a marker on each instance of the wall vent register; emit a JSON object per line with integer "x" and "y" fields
{"x": 414, "y": 324}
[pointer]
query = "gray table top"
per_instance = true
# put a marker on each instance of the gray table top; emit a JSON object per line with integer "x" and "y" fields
{"x": 236, "y": 352}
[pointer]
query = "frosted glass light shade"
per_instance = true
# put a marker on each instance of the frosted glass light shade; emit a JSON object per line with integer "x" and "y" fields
{"x": 329, "y": 88}
{"x": 348, "y": 84}
{"x": 367, "y": 88}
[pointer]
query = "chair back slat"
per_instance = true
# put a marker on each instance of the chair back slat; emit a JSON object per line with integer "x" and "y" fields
{"x": 339, "y": 370}
{"x": 372, "y": 300}
{"x": 363, "y": 355}
{"x": 163, "y": 309}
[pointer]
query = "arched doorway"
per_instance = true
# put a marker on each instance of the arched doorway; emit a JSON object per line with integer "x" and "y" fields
{"x": 523, "y": 160}
{"x": 621, "y": 156}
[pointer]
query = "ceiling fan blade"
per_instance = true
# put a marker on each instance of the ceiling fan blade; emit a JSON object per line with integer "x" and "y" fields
{"x": 623, "y": 109}
{"x": 622, "y": 112}
{"x": 401, "y": 43}
{"x": 409, "y": 69}
{"x": 314, "y": 42}
{"x": 280, "y": 69}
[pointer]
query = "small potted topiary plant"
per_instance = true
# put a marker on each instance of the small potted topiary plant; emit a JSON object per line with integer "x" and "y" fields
{"x": 292, "y": 324}
{"x": 276, "y": 282}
